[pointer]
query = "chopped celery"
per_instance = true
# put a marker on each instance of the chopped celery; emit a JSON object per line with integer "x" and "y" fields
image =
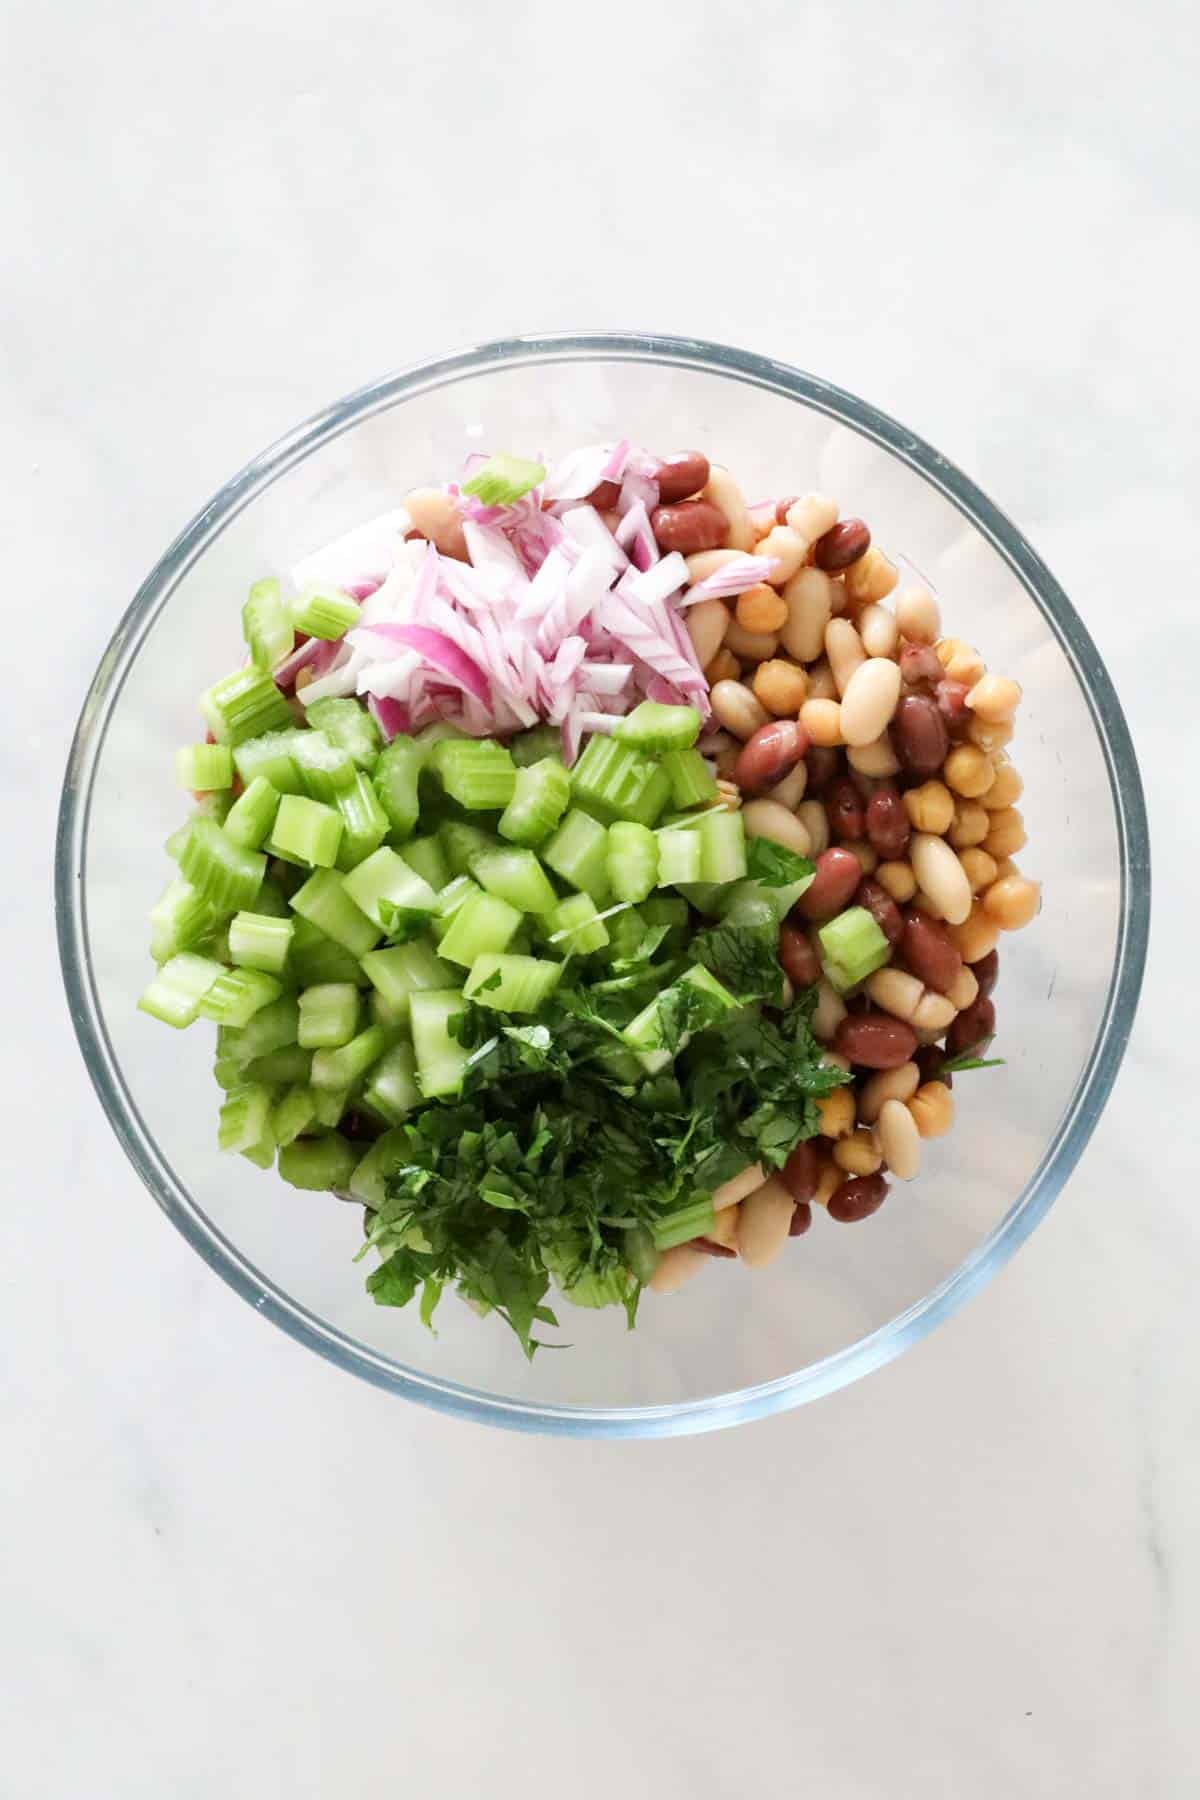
{"x": 653, "y": 726}
{"x": 684, "y": 1223}
{"x": 324, "y": 613}
{"x": 668, "y": 910}
{"x": 578, "y": 852}
{"x": 640, "y": 1253}
{"x": 329, "y": 1103}
{"x": 392, "y": 1090}
{"x": 461, "y": 842}
{"x": 262, "y": 1154}
{"x": 722, "y": 837}
{"x": 733, "y": 898}
{"x": 252, "y": 814}
{"x": 271, "y": 900}
{"x": 224, "y": 874}
{"x": 852, "y": 947}
{"x": 257, "y": 941}
{"x": 403, "y": 970}
{"x": 202, "y": 767}
{"x": 503, "y": 479}
{"x": 325, "y": 768}
{"x": 516, "y": 876}
{"x": 244, "y": 705}
{"x": 614, "y": 781}
{"x": 266, "y": 625}
{"x": 324, "y": 901}
{"x": 307, "y": 830}
{"x": 348, "y": 724}
{"x": 426, "y": 856}
{"x": 318, "y": 1164}
{"x": 626, "y": 931}
{"x": 453, "y": 896}
{"x": 214, "y": 805}
{"x": 316, "y": 958}
{"x": 270, "y": 756}
{"x": 175, "y": 994}
{"x": 574, "y": 927}
{"x": 328, "y": 1015}
{"x": 278, "y": 1068}
{"x": 396, "y": 776}
{"x": 441, "y": 1059}
{"x": 237, "y": 994}
{"x": 366, "y": 823}
{"x": 512, "y": 984}
{"x": 680, "y": 857}
{"x": 477, "y": 772}
{"x": 648, "y": 1035}
{"x": 389, "y": 1013}
{"x": 540, "y": 797}
{"x": 179, "y": 918}
{"x": 333, "y": 1070}
{"x": 273, "y": 1028}
{"x": 631, "y": 860}
{"x": 692, "y": 781}
{"x": 385, "y": 884}
{"x": 294, "y": 1114}
{"x": 485, "y": 923}
{"x": 245, "y": 1117}
{"x": 535, "y": 745}
{"x": 386, "y": 1157}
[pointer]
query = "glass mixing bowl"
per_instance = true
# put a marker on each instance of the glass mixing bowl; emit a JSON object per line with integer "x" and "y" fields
{"x": 733, "y": 1345}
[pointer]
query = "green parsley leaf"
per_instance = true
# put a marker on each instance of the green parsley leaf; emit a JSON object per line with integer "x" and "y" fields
{"x": 774, "y": 866}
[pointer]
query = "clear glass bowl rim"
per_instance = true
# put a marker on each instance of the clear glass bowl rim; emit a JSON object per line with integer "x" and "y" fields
{"x": 1095, "y": 1081}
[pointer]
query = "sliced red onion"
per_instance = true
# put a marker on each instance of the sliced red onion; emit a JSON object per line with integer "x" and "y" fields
{"x": 285, "y": 672}
{"x": 444, "y": 654}
{"x": 656, "y": 584}
{"x": 590, "y": 532}
{"x": 733, "y": 577}
{"x": 389, "y": 715}
{"x": 598, "y": 721}
{"x": 634, "y": 534}
{"x": 637, "y": 489}
{"x": 362, "y": 590}
{"x": 575, "y": 475}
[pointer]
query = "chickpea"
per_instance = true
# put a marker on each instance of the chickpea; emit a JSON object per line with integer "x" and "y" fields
{"x": 822, "y": 719}
{"x": 960, "y": 661}
{"x": 723, "y": 667}
{"x": 858, "y": 1154}
{"x": 1006, "y": 790}
{"x": 303, "y": 677}
{"x": 930, "y": 807}
{"x": 751, "y": 646}
{"x": 898, "y": 880}
{"x": 761, "y": 609}
{"x": 968, "y": 771}
{"x": 994, "y": 698}
{"x": 1007, "y": 834}
{"x": 781, "y": 687}
{"x": 1013, "y": 902}
{"x": 836, "y": 1112}
{"x": 989, "y": 737}
{"x": 969, "y": 826}
{"x": 870, "y": 579}
{"x": 979, "y": 868}
{"x": 1006, "y": 866}
{"x": 932, "y": 1108}
{"x": 977, "y": 936}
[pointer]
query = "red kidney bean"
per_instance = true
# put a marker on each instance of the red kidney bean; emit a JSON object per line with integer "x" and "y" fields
{"x": 874, "y": 1040}
{"x": 842, "y": 545}
{"x": 973, "y": 1030}
{"x": 918, "y": 663}
{"x": 797, "y": 958}
{"x": 838, "y": 874}
{"x": 681, "y": 475}
{"x": 771, "y": 753}
{"x": 801, "y": 1220}
{"x": 863, "y": 784}
{"x": 691, "y": 526}
{"x": 985, "y": 972}
{"x": 708, "y": 1248}
{"x": 952, "y": 704}
{"x": 847, "y": 813}
{"x": 822, "y": 767}
{"x": 888, "y": 827}
{"x": 919, "y": 735}
{"x": 930, "y": 1060}
{"x": 802, "y": 1171}
{"x": 882, "y": 908}
{"x": 857, "y": 1198}
{"x": 781, "y": 509}
{"x": 604, "y": 495}
{"x": 929, "y": 951}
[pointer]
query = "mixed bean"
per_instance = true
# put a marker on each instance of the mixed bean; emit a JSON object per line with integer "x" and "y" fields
{"x": 853, "y": 731}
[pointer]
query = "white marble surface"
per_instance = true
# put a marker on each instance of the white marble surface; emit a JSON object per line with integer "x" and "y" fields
{"x": 228, "y": 1569}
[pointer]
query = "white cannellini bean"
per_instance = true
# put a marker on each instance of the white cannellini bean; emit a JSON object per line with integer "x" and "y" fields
{"x": 828, "y": 1013}
{"x": 896, "y": 991}
{"x": 750, "y": 646}
{"x": 889, "y": 1084}
{"x": 811, "y": 516}
{"x": 768, "y": 819}
{"x": 737, "y": 709}
{"x": 728, "y": 499}
{"x": 809, "y": 597}
{"x": 918, "y": 616}
{"x": 815, "y": 820}
{"x": 940, "y": 874}
{"x": 843, "y": 647}
{"x": 966, "y": 988}
{"x": 899, "y": 1140}
{"x": 878, "y": 630}
{"x": 877, "y": 759}
{"x": 869, "y": 699}
{"x": 675, "y": 1266}
{"x": 933, "y": 1012}
{"x": 790, "y": 791}
{"x": 738, "y": 1186}
{"x": 703, "y": 563}
{"x": 436, "y": 517}
{"x": 787, "y": 550}
{"x": 763, "y": 1223}
{"x": 707, "y": 622}
{"x": 725, "y": 1227}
